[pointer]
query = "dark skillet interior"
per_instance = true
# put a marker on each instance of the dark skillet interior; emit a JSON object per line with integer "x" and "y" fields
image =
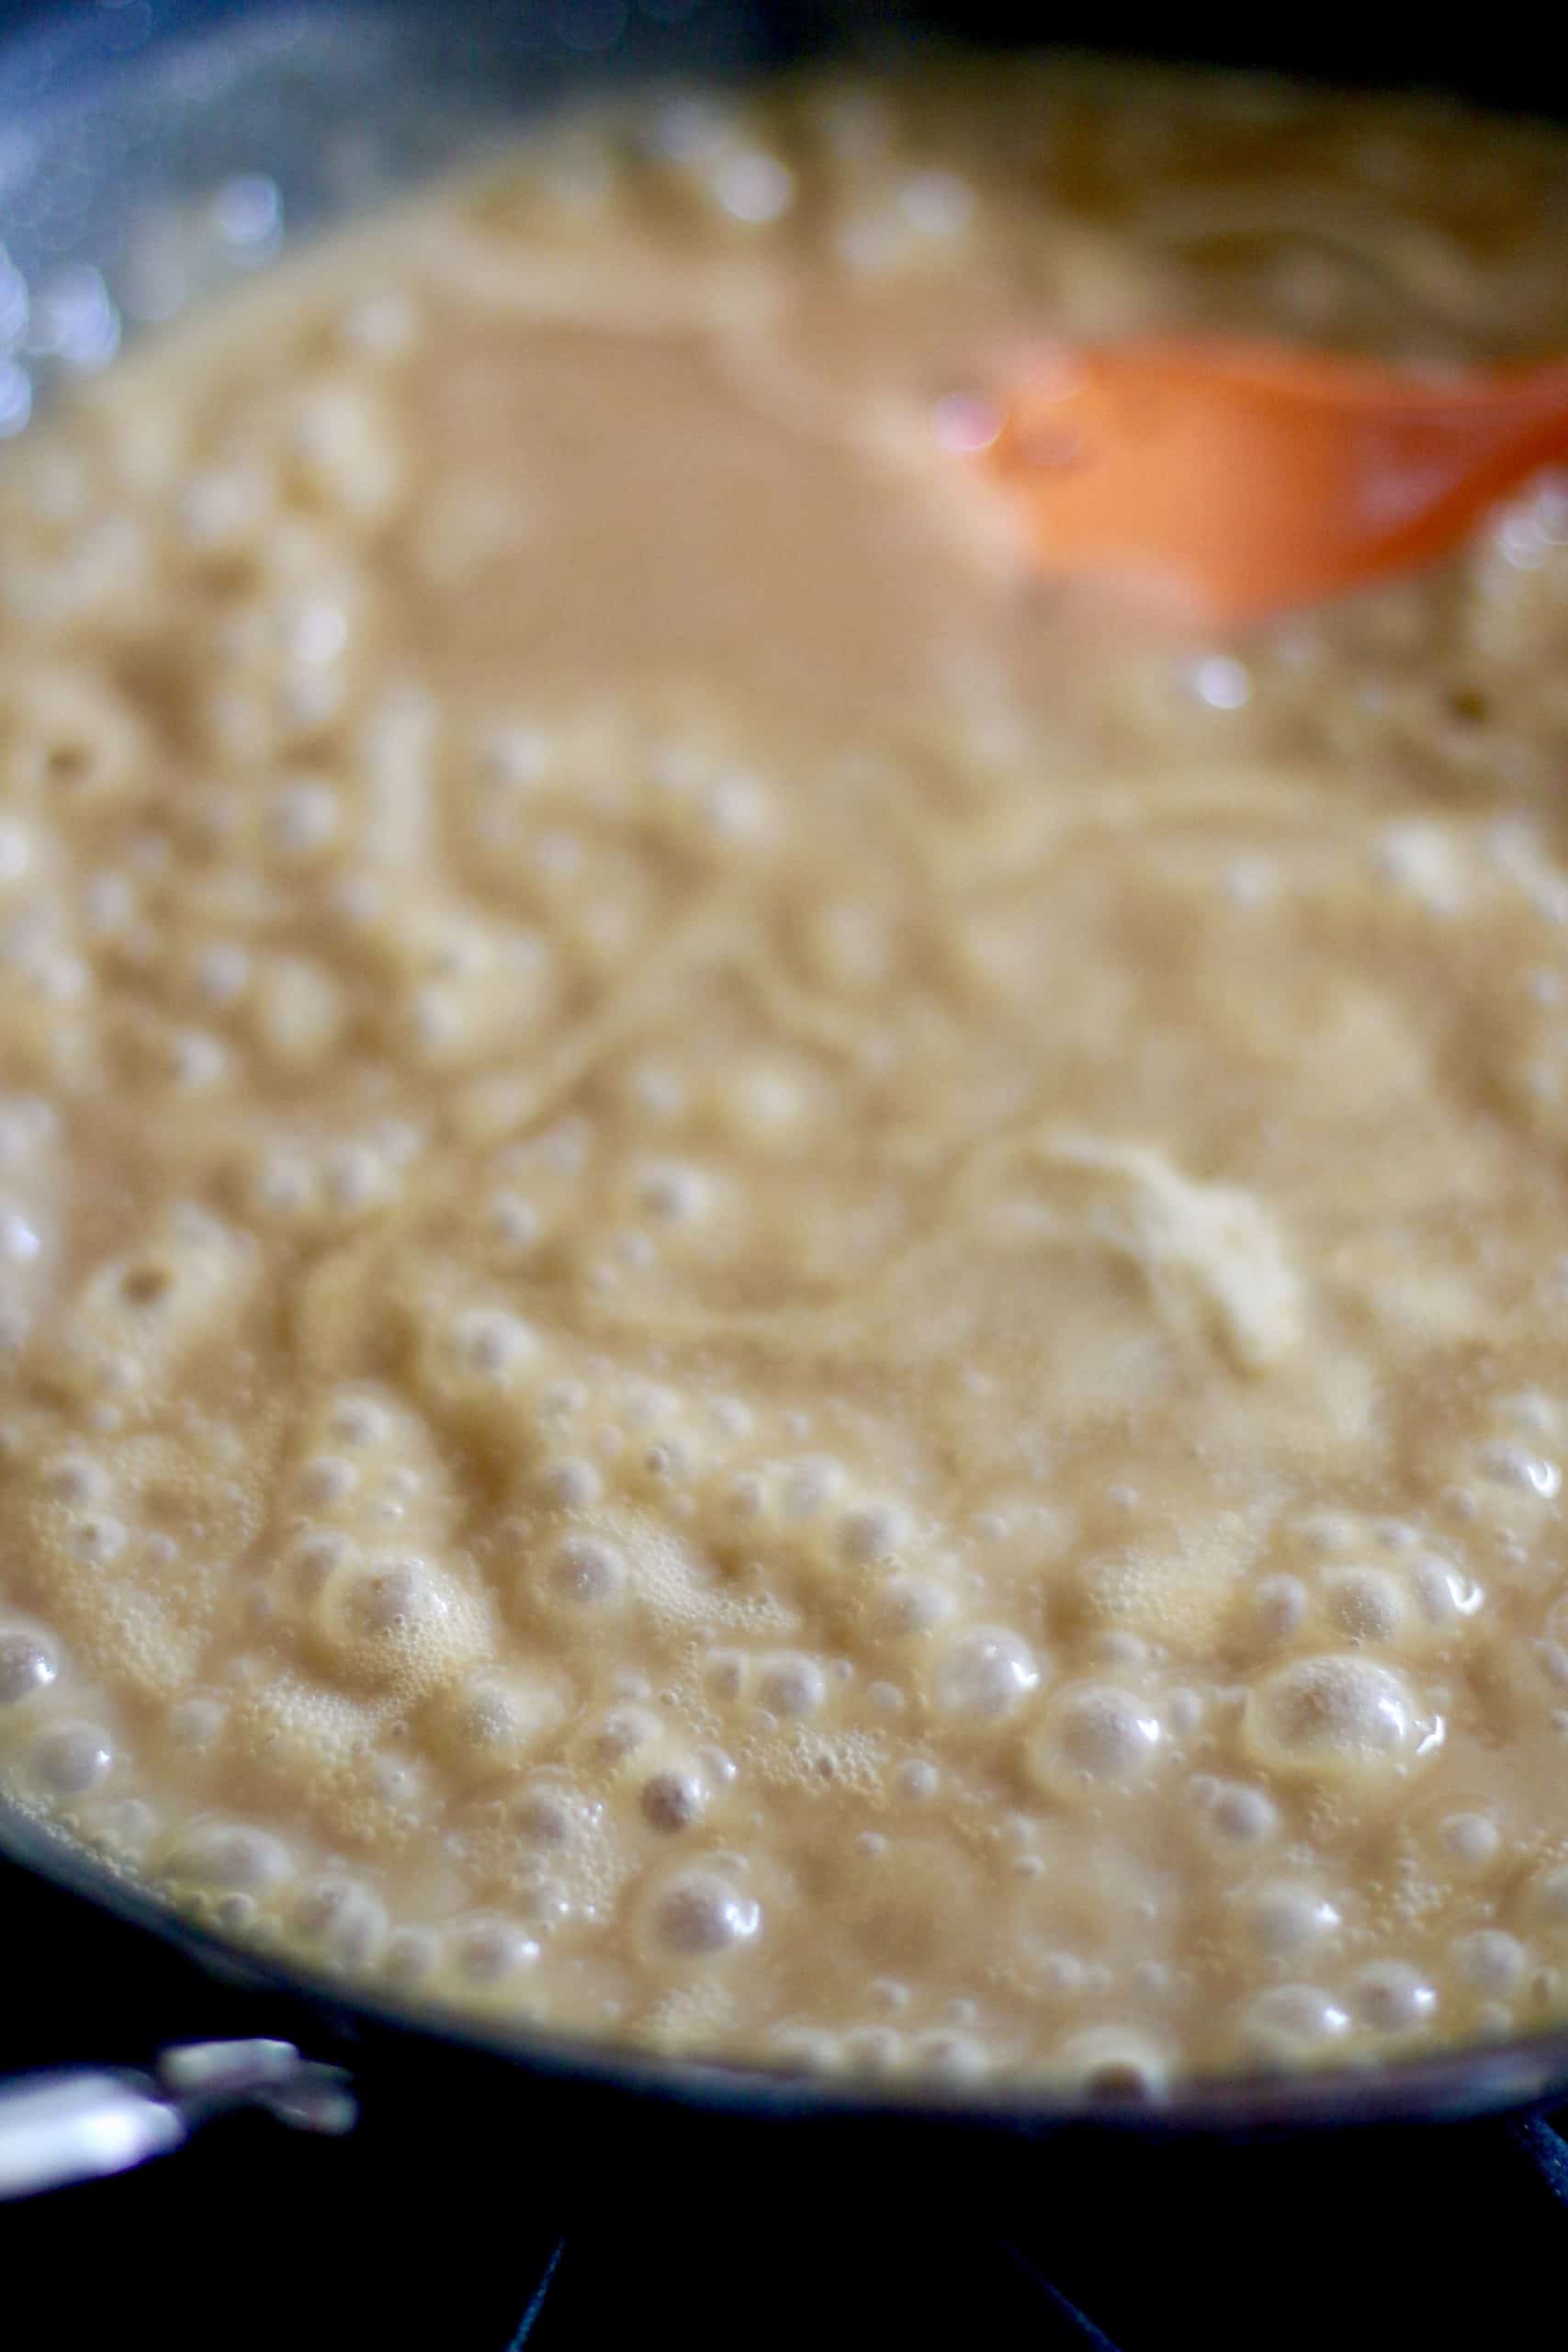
{"x": 122, "y": 1976}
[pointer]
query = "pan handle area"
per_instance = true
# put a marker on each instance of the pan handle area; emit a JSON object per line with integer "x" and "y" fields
{"x": 77, "y": 2124}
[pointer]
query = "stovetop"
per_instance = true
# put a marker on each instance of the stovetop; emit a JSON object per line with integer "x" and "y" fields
{"x": 454, "y": 2221}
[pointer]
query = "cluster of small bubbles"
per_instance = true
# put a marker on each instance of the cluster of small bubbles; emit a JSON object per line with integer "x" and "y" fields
{"x": 1409, "y": 1596}
{"x": 127, "y": 1826}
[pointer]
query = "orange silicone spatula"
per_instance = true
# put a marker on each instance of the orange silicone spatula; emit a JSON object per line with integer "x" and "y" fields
{"x": 1246, "y": 479}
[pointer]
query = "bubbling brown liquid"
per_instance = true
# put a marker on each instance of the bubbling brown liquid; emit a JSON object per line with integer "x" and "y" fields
{"x": 748, "y": 1301}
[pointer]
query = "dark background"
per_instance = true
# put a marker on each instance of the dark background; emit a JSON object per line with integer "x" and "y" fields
{"x": 464, "y": 2192}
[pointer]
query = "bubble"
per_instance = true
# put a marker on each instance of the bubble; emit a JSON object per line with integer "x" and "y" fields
{"x": 344, "y": 1921}
{"x": 491, "y": 1953}
{"x": 671, "y": 1461}
{"x": 304, "y": 819}
{"x": 984, "y": 1675}
{"x": 1238, "y": 1815}
{"x": 724, "y": 1674}
{"x": 623, "y": 1731}
{"x": 570, "y": 1482}
{"x": 1336, "y": 1716}
{"x": 389, "y": 1596}
{"x": 673, "y": 1799}
{"x": 1293, "y": 2021}
{"x": 873, "y": 1532}
{"x": 949, "y": 2056}
{"x": 752, "y": 187}
{"x": 222, "y": 972}
{"x": 194, "y": 1723}
{"x": 1391, "y": 1997}
{"x": 127, "y": 1827}
{"x": 791, "y": 1685}
{"x": 1183, "y": 1712}
{"x": 77, "y": 1478}
{"x": 1116, "y": 2063}
{"x": 809, "y": 1487}
{"x": 1443, "y": 1595}
{"x": 492, "y": 1344}
{"x": 29, "y": 1666}
{"x": 908, "y": 1606}
{"x": 99, "y": 1540}
{"x": 1490, "y": 1961}
{"x": 312, "y": 1558}
{"x": 491, "y": 1721}
{"x": 1364, "y": 1604}
{"x": 545, "y": 1816}
{"x": 1287, "y": 1919}
{"x": 1505, "y": 1464}
{"x": 585, "y": 1575}
{"x": 327, "y": 1479}
{"x": 674, "y": 1192}
{"x": 413, "y": 1955}
{"x": 1221, "y": 682}
{"x": 1096, "y": 1738}
{"x": 70, "y": 1759}
{"x": 513, "y": 1223}
{"x": 698, "y": 1915}
{"x": 917, "y": 1781}
{"x": 227, "y": 1857}
{"x": 873, "y": 2050}
{"x": 1470, "y": 1839}
{"x": 359, "y": 1420}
